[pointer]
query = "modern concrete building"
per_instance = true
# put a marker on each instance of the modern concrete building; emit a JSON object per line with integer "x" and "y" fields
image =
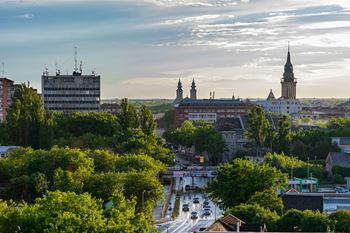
{"x": 71, "y": 93}
{"x": 6, "y": 94}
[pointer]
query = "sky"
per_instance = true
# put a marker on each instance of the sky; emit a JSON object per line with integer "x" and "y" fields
{"x": 142, "y": 47}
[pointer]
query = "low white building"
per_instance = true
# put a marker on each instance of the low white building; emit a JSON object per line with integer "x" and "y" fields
{"x": 280, "y": 105}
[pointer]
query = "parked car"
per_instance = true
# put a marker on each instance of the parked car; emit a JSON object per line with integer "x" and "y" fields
{"x": 196, "y": 200}
{"x": 339, "y": 189}
{"x": 194, "y": 215}
{"x": 206, "y": 202}
{"x": 185, "y": 207}
{"x": 187, "y": 188}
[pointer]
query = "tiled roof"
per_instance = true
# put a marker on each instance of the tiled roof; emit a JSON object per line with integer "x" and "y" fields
{"x": 230, "y": 220}
{"x": 228, "y": 124}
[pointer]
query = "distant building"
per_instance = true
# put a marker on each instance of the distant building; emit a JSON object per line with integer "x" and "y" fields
{"x": 232, "y": 131}
{"x": 209, "y": 110}
{"x": 287, "y": 103}
{"x": 71, "y": 93}
{"x": 6, "y": 94}
{"x": 6, "y": 149}
{"x": 113, "y": 108}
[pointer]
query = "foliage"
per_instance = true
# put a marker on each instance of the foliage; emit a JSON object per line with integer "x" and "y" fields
{"x": 267, "y": 199}
{"x": 284, "y": 134}
{"x": 341, "y": 220}
{"x": 289, "y": 164}
{"x": 255, "y": 214}
{"x": 243, "y": 179}
{"x": 305, "y": 221}
{"x": 70, "y": 212}
{"x": 25, "y": 116}
{"x": 258, "y": 125}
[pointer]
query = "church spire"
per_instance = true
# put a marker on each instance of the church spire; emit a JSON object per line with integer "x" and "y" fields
{"x": 179, "y": 93}
{"x": 193, "y": 92}
{"x": 288, "y": 68}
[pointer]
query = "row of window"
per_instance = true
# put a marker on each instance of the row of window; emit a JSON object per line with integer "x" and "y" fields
{"x": 71, "y": 102}
{"x": 214, "y": 110}
{"x": 71, "y": 88}
{"x": 72, "y": 95}
{"x": 72, "y": 109}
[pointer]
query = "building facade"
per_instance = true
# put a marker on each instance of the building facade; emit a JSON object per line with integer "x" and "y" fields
{"x": 6, "y": 93}
{"x": 209, "y": 110}
{"x": 71, "y": 93}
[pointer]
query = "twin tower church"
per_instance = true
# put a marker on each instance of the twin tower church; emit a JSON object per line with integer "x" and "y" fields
{"x": 287, "y": 103}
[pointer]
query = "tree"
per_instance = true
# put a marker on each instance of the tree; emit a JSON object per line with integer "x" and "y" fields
{"x": 341, "y": 220}
{"x": 25, "y": 116}
{"x": 146, "y": 120}
{"x": 284, "y": 134}
{"x": 243, "y": 179}
{"x": 291, "y": 221}
{"x": 207, "y": 138}
{"x": 255, "y": 214}
{"x": 127, "y": 118}
{"x": 267, "y": 199}
{"x": 258, "y": 125}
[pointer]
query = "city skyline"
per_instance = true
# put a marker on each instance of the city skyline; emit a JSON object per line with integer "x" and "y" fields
{"x": 141, "y": 48}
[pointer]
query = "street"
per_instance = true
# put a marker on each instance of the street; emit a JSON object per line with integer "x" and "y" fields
{"x": 184, "y": 223}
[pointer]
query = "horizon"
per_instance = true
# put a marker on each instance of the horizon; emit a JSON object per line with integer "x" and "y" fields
{"x": 141, "y": 48}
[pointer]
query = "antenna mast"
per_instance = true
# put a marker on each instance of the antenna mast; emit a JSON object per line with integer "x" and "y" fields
{"x": 75, "y": 59}
{"x": 3, "y": 68}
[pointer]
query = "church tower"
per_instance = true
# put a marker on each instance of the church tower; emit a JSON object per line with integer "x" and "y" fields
{"x": 289, "y": 82}
{"x": 179, "y": 92}
{"x": 193, "y": 93}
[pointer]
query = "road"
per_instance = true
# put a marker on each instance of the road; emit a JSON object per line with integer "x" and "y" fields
{"x": 183, "y": 223}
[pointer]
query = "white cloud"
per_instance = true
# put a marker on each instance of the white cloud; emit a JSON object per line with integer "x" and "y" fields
{"x": 25, "y": 16}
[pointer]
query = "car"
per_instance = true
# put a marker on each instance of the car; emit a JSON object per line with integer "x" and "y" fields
{"x": 187, "y": 187}
{"x": 206, "y": 202}
{"x": 339, "y": 189}
{"x": 207, "y": 212}
{"x": 185, "y": 207}
{"x": 206, "y": 207}
{"x": 196, "y": 200}
{"x": 194, "y": 215}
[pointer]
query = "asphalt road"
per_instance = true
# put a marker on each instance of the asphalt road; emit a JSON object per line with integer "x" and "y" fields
{"x": 183, "y": 223}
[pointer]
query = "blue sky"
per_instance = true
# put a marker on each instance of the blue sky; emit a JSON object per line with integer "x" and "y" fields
{"x": 141, "y": 47}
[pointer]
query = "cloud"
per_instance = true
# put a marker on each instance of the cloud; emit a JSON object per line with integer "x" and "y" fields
{"x": 25, "y": 16}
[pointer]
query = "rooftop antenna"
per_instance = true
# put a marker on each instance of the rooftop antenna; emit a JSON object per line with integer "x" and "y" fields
{"x": 210, "y": 95}
{"x": 288, "y": 46}
{"x": 75, "y": 59}
{"x": 233, "y": 95}
{"x": 3, "y": 68}
{"x": 81, "y": 67}
{"x": 213, "y": 94}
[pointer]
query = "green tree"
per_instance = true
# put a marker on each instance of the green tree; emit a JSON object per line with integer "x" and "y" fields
{"x": 267, "y": 199}
{"x": 146, "y": 120}
{"x": 341, "y": 220}
{"x": 291, "y": 221}
{"x": 127, "y": 118}
{"x": 25, "y": 116}
{"x": 284, "y": 134}
{"x": 244, "y": 179}
{"x": 258, "y": 125}
{"x": 255, "y": 214}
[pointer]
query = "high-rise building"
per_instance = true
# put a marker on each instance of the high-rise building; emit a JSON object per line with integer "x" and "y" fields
{"x": 71, "y": 93}
{"x": 6, "y": 94}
